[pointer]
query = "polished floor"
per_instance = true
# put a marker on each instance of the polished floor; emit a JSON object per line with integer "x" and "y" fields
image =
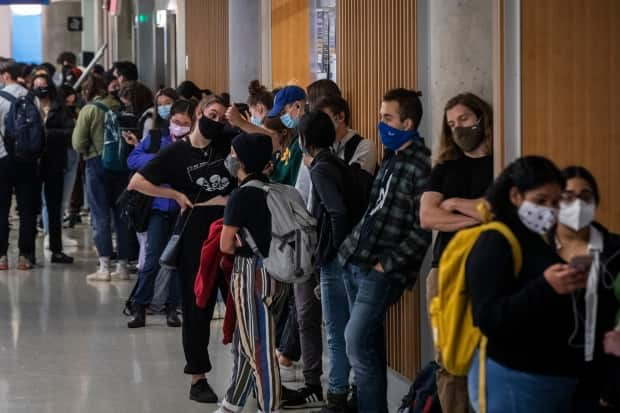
{"x": 65, "y": 347}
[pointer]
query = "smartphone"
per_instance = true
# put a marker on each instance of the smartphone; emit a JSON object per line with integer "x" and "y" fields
{"x": 581, "y": 263}
{"x": 243, "y": 108}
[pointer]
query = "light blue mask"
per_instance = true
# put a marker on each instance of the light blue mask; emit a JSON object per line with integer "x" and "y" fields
{"x": 164, "y": 111}
{"x": 256, "y": 121}
{"x": 289, "y": 121}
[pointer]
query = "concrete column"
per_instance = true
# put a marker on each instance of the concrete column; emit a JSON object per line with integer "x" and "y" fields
{"x": 456, "y": 52}
{"x": 5, "y": 31}
{"x": 455, "y": 55}
{"x": 244, "y": 46}
{"x": 56, "y": 36}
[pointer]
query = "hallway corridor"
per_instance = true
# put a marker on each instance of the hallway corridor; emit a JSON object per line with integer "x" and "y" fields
{"x": 65, "y": 347}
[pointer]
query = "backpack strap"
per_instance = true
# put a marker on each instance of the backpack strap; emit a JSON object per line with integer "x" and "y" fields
{"x": 100, "y": 105}
{"x": 6, "y": 95}
{"x": 255, "y": 183}
{"x": 503, "y": 229}
{"x": 350, "y": 147}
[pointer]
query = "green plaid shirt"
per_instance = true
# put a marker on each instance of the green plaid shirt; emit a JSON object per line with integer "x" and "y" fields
{"x": 390, "y": 231}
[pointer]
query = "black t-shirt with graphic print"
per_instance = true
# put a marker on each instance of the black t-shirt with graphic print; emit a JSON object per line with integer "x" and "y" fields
{"x": 192, "y": 171}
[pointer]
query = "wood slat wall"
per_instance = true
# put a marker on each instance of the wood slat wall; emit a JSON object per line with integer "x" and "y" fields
{"x": 206, "y": 31}
{"x": 290, "y": 43}
{"x": 376, "y": 51}
{"x": 570, "y": 66}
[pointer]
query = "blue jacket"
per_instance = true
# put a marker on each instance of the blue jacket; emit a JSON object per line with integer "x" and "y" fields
{"x": 140, "y": 156}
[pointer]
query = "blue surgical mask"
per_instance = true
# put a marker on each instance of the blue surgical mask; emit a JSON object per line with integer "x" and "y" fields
{"x": 289, "y": 121}
{"x": 393, "y": 138}
{"x": 164, "y": 111}
{"x": 256, "y": 121}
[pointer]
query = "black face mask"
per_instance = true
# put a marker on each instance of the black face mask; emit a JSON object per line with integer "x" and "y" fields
{"x": 114, "y": 94}
{"x": 41, "y": 92}
{"x": 209, "y": 129}
{"x": 468, "y": 138}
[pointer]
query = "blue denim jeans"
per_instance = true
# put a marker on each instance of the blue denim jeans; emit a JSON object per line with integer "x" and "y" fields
{"x": 103, "y": 189}
{"x": 513, "y": 391}
{"x": 158, "y": 233}
{"x": 335, "y": 307}
{"x": 69, "y": 176}
{"x": 368, "y": 294}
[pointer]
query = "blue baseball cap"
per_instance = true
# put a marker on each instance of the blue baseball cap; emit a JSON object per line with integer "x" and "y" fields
{"x": 286, "y": 95}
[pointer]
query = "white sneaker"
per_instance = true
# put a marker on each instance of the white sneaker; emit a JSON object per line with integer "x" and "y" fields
{"x": 100, "y": 275}
{"x": 69, "y": 242}
{"x": 291, "y": 374}
{"x": 121, "y": 273}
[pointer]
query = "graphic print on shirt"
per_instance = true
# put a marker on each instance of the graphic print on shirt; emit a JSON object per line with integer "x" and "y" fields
{"x": 210, "y": 176}
{"x": 382, "y": 196}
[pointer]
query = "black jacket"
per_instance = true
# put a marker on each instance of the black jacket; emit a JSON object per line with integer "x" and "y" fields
{"x": 58, "y": 130}
{"x": 528, "y": 325}
{"x": 329, "y": 205}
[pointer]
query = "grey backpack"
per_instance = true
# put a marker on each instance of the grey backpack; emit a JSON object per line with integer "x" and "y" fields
{"x": 293, "y": 234}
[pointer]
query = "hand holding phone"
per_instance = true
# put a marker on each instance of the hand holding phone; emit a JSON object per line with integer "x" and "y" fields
{"x": 129, "y": 137}
{"x": 581, "y": 263}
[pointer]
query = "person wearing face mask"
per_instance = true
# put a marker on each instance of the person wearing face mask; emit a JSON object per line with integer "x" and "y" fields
{"x": 197, "y": 179}
{"x": 531, "y": 362}
{"x": 578, "y": 235}
{"x": 59, "y": 126}
{"x": 160, "y": 226}
{"x": 385, "y": 250}
{"x": 288, "y": 107}
{"x": 260, "y": 102}
{"x": 254, "y": 292}
{"x": 462, "y": 173}
{"x": 22, "y": 179}
{"x": 158, "y": 117}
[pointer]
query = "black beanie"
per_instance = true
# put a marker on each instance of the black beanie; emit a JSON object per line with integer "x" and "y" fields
{"x": 253, "y": 151}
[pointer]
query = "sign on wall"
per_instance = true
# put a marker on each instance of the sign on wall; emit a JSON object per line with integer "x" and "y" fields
{"x": 5, "y": 2}
{"x": 75, "y": 23}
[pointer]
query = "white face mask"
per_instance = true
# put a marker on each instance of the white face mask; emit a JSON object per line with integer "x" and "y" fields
{"x": 577, "y": 215}
{"x": 537, "y": 218}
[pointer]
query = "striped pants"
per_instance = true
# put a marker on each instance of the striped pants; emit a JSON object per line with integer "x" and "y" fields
{"x": 255, "y": 364}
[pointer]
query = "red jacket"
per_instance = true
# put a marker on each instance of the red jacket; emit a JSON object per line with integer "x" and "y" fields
{"x": 212, "y": 261}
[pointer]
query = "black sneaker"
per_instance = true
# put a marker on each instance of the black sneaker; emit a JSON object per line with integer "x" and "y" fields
{"x": 309, "y": 396}
{"x": 201, "y": 392}
{"x": 336, "y": 403}
{"x": 352, "y": 401}
{"x": 61, "y": 258}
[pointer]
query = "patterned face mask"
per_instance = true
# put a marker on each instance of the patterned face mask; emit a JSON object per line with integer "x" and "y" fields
{"x": 537, "y": 218}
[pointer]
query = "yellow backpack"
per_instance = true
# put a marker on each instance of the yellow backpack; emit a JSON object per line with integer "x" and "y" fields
{"x": 456, "y": 338}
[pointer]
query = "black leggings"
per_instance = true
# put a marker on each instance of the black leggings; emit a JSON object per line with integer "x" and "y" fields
{"x": 196, "y": 320}
{"x": 53, "y": 181}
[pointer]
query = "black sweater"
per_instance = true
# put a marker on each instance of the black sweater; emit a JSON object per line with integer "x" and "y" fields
{"x": 527, "y": 323}
{"x": 329, "y": 205}
{"x": 58, "y": 129}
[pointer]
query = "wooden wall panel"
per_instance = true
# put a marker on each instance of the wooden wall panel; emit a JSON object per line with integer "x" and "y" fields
{"x": 570, "y": 84}
{"x": 376, "y": 51}
{"x": 206, "y": 31}
{"x": 290, "y": 43}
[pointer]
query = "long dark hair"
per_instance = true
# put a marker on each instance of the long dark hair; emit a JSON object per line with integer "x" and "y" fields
{"x": 573, "y": 171}
{"x": 168, "y": 92}
{"x": 53, "y": 95}
{"x": 525, "y": 174}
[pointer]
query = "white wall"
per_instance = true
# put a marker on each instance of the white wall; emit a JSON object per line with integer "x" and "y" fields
{"x": 5, "y": 31}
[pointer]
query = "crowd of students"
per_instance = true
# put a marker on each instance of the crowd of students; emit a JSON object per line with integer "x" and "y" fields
{"x": 186, "y": 189}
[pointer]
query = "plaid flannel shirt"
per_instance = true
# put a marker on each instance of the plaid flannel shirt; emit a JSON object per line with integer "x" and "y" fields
{"x": 390, "y": 231}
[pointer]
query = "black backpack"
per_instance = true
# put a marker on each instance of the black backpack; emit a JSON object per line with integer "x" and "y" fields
{"x": 422, "y": 396}
{"x": 24, "y": 132}
{"x": 135, "y": 205}
{"x": 359, "y": 182}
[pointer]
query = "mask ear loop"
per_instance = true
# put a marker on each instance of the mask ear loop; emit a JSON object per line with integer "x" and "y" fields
{"x": 608, "y": 278}
{"x": 576, "y": 318}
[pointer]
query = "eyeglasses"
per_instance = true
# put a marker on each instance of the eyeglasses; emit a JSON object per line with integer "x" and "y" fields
{"x": 586, "y": 196}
